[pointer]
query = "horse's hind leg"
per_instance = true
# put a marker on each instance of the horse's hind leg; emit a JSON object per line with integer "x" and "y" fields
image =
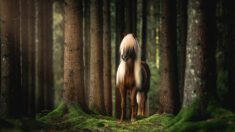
{"x": 123, "y": 102}
{"x": 143, "y": 96}
{"x": 133, "y": 104}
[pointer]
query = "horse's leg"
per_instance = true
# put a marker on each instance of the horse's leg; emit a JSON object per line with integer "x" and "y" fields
{"x": 123, "y": 102}
{"x": 142, "y": 103}
{"x": 133, "y": 104}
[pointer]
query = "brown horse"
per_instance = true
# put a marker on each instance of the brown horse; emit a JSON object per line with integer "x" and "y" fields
{"x": 132, "y": 75}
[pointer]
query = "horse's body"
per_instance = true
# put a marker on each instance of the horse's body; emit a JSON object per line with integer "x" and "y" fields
{"x": 132, "y": 75}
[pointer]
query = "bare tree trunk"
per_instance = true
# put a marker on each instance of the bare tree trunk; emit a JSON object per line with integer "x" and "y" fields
{"x": 11, "y": 92}
{"x": 107, "y": 58}
{"x": 200, "y": 74}
{"x": 73, "y": 54}
{"x": 120, "y": 26}
{"x": 96, "y": 102}
{"x": 169, "y": 99}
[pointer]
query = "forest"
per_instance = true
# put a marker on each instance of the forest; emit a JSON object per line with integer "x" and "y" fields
{"x": 117, "y": 65}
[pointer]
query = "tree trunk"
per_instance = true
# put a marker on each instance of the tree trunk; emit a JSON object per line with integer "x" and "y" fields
{"x": 200, "y": 57}
{"x": 45, "y": 71}
{"x": 169, "y": 99}
{"x": 96, "y": 101}
{"x": 182, "y": 45}
{"x": 107, "y": 58}
{"x": 120, "y": 26}
{"x": 87, "y": 47}
{"x": 144, "y": 30}
{"x": 11, "y": 92}
{"x": 73, "y": 54}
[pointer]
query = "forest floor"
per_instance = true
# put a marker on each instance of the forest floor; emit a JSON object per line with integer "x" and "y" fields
{"x": 73, "y": 119}
{"x": 86, "y": 123}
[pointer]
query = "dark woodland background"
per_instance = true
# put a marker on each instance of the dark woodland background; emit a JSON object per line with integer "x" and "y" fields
{"x": 59, "y": 53}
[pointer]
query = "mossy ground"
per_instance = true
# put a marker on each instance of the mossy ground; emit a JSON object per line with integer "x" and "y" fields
{"x": 72, "y": 118}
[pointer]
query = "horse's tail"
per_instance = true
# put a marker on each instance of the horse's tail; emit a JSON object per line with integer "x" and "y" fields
{"x": 138, "y": 97}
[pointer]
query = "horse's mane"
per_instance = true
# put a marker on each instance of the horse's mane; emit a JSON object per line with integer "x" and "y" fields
{"x": 129, "y": 42}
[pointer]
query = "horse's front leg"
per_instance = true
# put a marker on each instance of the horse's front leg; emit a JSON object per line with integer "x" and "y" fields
{"x": 123, "y": 102}
{"x": 133, "y": 104}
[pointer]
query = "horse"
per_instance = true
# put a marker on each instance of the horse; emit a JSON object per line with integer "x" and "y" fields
{"x": 133, "y": 75}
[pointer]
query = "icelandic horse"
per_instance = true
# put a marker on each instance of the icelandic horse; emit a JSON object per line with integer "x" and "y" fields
{"x": 133, "y": 76}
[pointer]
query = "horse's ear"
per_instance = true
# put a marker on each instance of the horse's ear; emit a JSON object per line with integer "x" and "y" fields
{"x": 134, "y": 35}
{"x": 124, "y": 34}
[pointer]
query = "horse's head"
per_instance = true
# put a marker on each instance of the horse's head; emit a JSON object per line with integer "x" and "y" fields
{"x": 128, "y": 53}
{"x": 129, "y": 48}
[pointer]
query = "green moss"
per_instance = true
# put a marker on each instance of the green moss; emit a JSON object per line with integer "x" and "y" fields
{"x": 57, "y": 113}
{"x": 192, "y": 118}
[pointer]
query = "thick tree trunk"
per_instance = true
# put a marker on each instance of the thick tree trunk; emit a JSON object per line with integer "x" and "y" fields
{"x": 200, "y": 57}
{"x": 107, "y": 58}
{"x": 87, "y": 47}
{"x": 96, "y": 101}
{"x": 73, "y": 54}
{"x": 45, "y": 71}
{"x": 120, "y": 26}
{"x": 169, "y": 99}
{"x": 11, "y": 92}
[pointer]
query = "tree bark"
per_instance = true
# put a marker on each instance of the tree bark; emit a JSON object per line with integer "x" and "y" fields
{"x": 120, "y": 26}
{"x": 169, "y": 99}
{"x": 200, "y": 72}
{"x": 73, "y": 54}
{"x": 107, "y": 58}
{"x": 11, "y": 89}
{"x": 96, "y": 102}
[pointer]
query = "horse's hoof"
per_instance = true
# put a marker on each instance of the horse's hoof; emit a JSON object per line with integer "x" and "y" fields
{"x": 133, "y": 120}
{"x": 119, "y": 122}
